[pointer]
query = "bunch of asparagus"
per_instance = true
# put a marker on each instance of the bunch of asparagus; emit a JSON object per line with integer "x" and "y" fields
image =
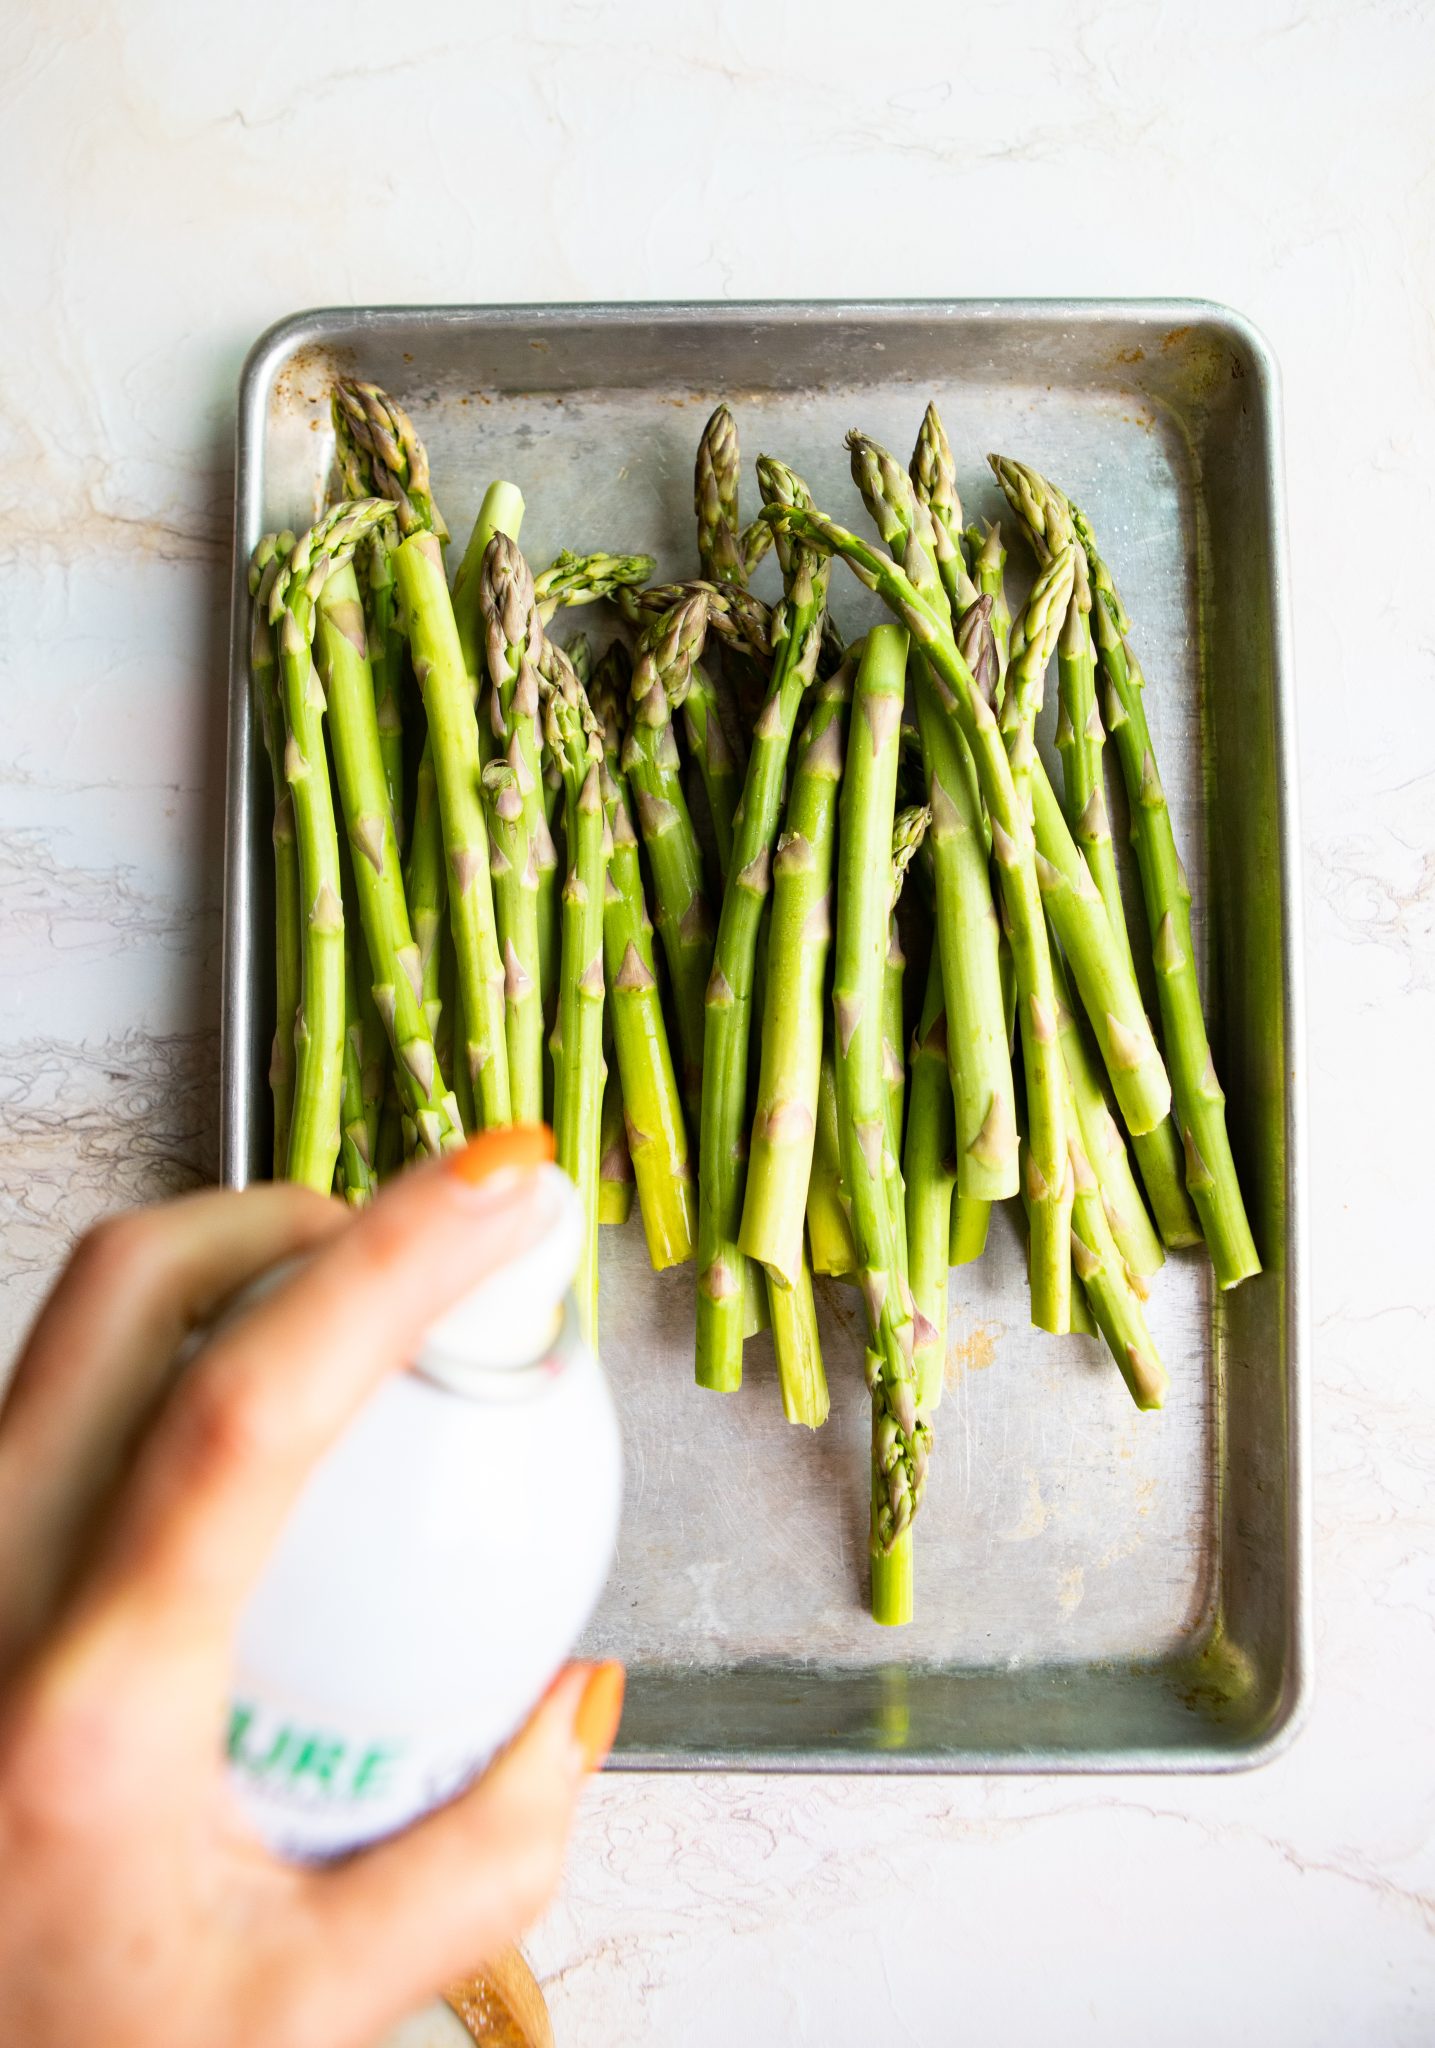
{"x": 739, "y": 798}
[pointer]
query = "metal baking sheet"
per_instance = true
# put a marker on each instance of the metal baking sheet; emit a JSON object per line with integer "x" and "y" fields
{"x": 1095, "y": 1589}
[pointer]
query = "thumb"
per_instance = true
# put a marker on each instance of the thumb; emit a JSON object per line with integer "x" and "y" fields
{"x": 401, "y": 1920}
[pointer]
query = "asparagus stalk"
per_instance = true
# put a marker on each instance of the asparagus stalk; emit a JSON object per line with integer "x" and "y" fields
{"x": 457, "y": 1036}
{"x": 1080, "y": 738}
{"x": 971, "y": 1219}
{"x": 785, "y": 1114}
{"x": 715, "y": 500}
{"x": 1200, "y": 1101}
{"x": 657, "y": 1139}
{"x": 930, "y": 1173}
{"x": 576, "y": 742}
{"x": 1110, "y": 1293}
{"x": 1015, "y": 853}
{"x": 1078, "y": 916}
{"x": 1049, "y": 1207}
{"x": 453, "y": 733}
{"x": 501, "y": 512}
{"x": 319, "y": 1029}
{"x": 445, "y": 1030}
{"x": 797, "y": 636}
{"x": 989, "y": 575}
{"x": 426, "y": 886}
{"x": 934, "y": 480}
{"x": 374, "y": 1070}
{"x": 661, "y": 678}
{"x": 378, "y": 891}
{"x": 272, "y": 551}
{"x": 615, "y": 1163}
{"x": 829, "y": 1230}
{"x": 1104, "y": 1146}
{"x": 354, "y": 1178}
{"x": 971, "y": 1215}
{"x": 397, "y": 459}
{"x": 720, "y": 766}
{"x": 908, "y": 832}
{"x": 518, "y": 823}
{"x": 801, "y": 1375}
{"x": 864, "y": 897}
{"x": 399, "y": 464}
{"x": 374, "y": 561}
{"x": 796, "y": 1344}
{"x": 734, "y": 616}
{"x": 978, "y": 1042}
{"x": 583, "y": 579}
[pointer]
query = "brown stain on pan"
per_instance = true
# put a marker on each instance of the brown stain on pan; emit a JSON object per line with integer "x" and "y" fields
{"x": 973, "y": 1351}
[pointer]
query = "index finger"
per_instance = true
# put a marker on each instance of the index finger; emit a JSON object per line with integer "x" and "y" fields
{"x": 228, "y": 1456}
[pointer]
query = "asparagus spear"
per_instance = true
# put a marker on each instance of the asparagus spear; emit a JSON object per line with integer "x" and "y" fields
{"x": 358, "y": 479}
{"x": 908, "y": 832}
{"x": 453, "y": 734}
{"x": 378, "y": 892}
{"x": 426, "y": 885}
{"x": 720, "y": 765}
{"x": 1032, "y": 645}
{"x": 797, "y": 636}
{"x": 785, "y": 1113}
{"x": 397, "y": 459}
{"x": 319, "y": 1028}
{"x": 501, "y": 512}
{"x": 864, "y": 896}
{"x": 657, "y": 1138}
{"x": 1200, "y": 1101}
{"x": 353, "y": 1178}
{"x": 1110, "y": 1293}
{"x": 829, "y": 1230}
{"x": 989, "y": 575}
{"x": 735, "y": 617}
{"x": 801, "y": 1375}
{"x": 661, "y": 677}
{"x": 1080, "y": 739}
{"x": 375, "y": 1063}
{"x": 272, "y": 551}
{"x": 446, "y": 1034}
{"x": 934, "y": 480}
{"x": 978, "y": 1044}
{"x": 576, "y": 741}
{"x": 930, "y": 1173}
{"x": 1100, "y": 964}
{"x": 715, "y": 500}
{"x": 615, "y": 1163}
{"x": 971, "y": 1219}
{"x": 1015, "y": 852}
{"x": 1103, "y": 1144}
{"x": 583, "y": 579}
{"x": 445, "y": 674}
{"x": 518, "y": 824}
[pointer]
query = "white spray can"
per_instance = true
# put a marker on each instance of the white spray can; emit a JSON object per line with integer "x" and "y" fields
{"x": 437, "y": 1569}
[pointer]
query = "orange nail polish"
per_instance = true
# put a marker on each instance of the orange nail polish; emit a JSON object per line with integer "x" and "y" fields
{"x": 599, "y": 1711}
{"x": 511, "y": 1148}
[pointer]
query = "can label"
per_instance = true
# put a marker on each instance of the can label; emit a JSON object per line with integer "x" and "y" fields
{"x": 313, "y": 1791}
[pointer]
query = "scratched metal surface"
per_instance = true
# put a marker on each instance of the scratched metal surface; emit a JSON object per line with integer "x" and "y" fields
{"x": 1095, "y": 1588}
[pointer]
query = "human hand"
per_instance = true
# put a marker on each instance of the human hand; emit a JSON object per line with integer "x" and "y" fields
{"x": 136, "y": 1510}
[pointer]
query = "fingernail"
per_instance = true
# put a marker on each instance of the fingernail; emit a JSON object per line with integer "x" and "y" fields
{"x": 595, "y": 1723}
{"x": 513, "y": 1148}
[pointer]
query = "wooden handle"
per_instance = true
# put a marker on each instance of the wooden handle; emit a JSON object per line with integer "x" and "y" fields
{"x": 502, "y": 2006}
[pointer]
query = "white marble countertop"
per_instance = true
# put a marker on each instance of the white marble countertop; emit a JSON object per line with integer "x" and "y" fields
{"x": 170, "y": 193}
